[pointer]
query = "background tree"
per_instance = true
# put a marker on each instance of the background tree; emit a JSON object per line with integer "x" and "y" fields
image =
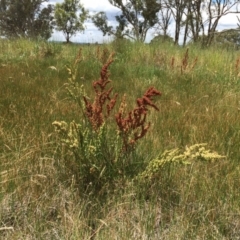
{"x": 178, "y": 8}
{"x": 24, "y": 18}
{"x": 100, "y": 20}
{"x": 199, "y": 17}
{"x": 136, "y": 18}
{"x": 203, "y": 18}
{"x": 44, "y": 22}
{"x": 165, "y": 19}
{"x": 215, "y": 10}
{"x": 193, "y": 22}
{"x": 70, "y": 17}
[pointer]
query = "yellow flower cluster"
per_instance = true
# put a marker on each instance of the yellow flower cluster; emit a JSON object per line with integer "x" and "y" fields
{"x": 176, "y": 156}
{"x": 69, "y": 134}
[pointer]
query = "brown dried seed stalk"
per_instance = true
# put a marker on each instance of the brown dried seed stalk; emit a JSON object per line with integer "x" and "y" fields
{"x": 133, "y": 127}
{"x": 95, "y": 111}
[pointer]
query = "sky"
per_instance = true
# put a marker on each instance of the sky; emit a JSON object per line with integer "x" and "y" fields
{"x": 92, "y": 34}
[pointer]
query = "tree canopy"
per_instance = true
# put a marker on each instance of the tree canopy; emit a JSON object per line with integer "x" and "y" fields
{"x": 136, "y": 18}
{"x": 24, "y": 18}
{"x": 70, "y": 16}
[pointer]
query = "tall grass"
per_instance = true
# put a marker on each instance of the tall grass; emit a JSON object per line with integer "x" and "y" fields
{"x": 40, "y": 197}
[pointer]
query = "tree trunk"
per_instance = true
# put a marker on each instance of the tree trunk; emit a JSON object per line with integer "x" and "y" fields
{"x": 68, "y": 37}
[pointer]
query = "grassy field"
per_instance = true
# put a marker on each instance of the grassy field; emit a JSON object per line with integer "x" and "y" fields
{"x": 165, "y": 186}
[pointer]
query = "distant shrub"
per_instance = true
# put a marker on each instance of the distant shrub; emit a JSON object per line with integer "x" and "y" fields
{"x": 162, "y": 39}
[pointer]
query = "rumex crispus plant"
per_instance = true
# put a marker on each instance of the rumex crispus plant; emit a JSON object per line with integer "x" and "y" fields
{"x": 185, "y": 66}
{"x": 96, "y": 111}
{"x": 96, "y": 150}
{"x": 133, "y": 126}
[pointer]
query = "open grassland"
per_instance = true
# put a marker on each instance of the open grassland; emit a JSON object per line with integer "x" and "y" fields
{"x": 200, "y": 103}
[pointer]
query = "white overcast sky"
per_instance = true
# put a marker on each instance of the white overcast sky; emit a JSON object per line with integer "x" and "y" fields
{"x": 92, "y": 35}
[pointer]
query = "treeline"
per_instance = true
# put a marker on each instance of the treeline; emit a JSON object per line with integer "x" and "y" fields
{"x": 195, "y": 20}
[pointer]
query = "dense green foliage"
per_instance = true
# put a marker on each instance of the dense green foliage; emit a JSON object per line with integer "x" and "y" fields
{"x": 26, "y": 19}
{"x": 68, "y": 19}
{"x": 136, "y": 18}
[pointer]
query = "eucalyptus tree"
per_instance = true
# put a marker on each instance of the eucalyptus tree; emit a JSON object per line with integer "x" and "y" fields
{"x": 70, "y": 17}
{"x": 136, "y": 18}
{"x": 203, "y": 18}
{"x": 178, "y": 8}
{"x": 24, "y": 18}
{"x": 165, "y": 19}
{"x": 193, "y": 21}
{"x": 215, "y": 10}
{"x": 199, "y": 18}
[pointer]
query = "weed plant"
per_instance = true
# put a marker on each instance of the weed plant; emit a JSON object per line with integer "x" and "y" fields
{"x": 101, "y": 154}
{"x": 148, "y": 193}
